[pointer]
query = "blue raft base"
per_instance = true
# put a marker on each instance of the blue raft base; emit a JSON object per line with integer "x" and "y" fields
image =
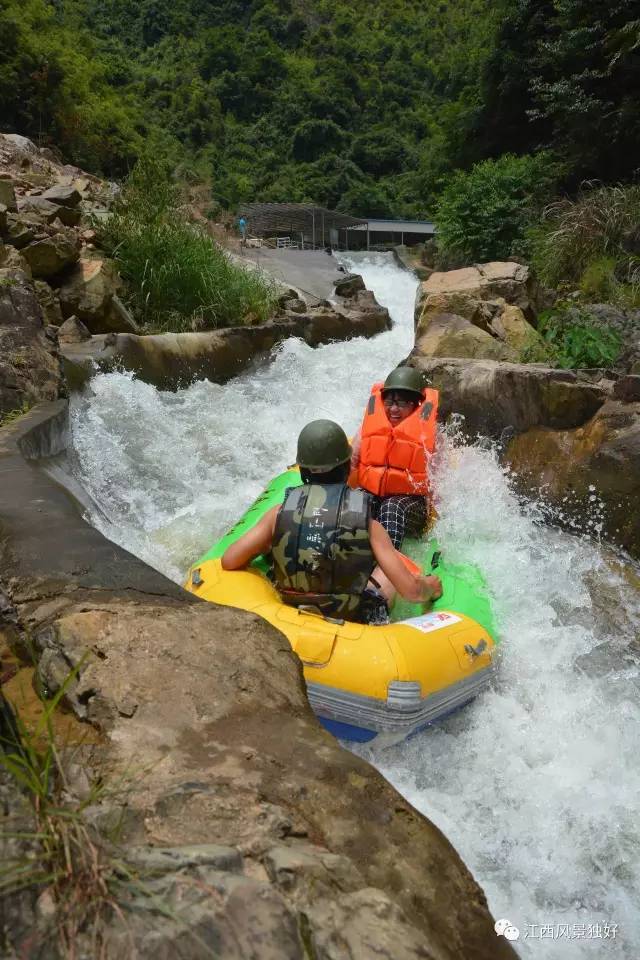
{"x": 347, "y": 731}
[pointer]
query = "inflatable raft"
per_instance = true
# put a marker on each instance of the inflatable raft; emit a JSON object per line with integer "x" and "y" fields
{"x": 369, "y": 682}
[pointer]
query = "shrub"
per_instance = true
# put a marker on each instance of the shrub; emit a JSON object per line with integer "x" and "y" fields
{"x": 571, "y": 338}
{"x": 594, "y": 241}
{"x": 179, "y": 278}
{"x": 482, "y": 215}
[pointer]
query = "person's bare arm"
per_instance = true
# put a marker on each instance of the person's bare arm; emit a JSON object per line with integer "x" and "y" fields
{"x": 355, "y": 449}
{"x": 413, "y": 587}
{"x": 252, "y": 543}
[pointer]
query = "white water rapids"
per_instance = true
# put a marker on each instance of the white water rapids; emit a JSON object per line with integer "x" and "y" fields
{"x": 536, "y": 783}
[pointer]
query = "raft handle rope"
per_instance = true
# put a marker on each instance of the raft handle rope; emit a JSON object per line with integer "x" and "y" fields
{"x": 475, "y": 651}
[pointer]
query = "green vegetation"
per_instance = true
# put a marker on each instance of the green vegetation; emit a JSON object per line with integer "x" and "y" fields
{"x": 370, "y": 108}
{"x": 72, "y": 866}
{"x": 592, "y": 242}
{"x": 482, "y": 215}
{"x": 11, "y": 415}
{"x": 179, "y": 278}
{"x": 572, "y": 338}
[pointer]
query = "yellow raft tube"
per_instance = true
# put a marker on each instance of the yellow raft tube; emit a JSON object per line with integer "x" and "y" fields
{"x": 365, "y": 682}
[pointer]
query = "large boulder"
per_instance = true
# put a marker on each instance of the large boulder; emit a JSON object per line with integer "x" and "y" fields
{"x": 89, "y": 292}
{"x": 511, "y": 281}
{"x": 495, "y": 396}
{"x": 450, "y": 335}
{"x": 20, "y": 230}
{"x": 591, "y": 473}
{"x": 49, "y": 303}
{"x": 48, "y": 211}
{"x": 51, "y": 255}
{"x": 168, "y": 360}
{"x": 11, "y": 259}
{"x": 7, "y": 194}
{"x": 29, "y": 367}
{"x": 65, "y": 194}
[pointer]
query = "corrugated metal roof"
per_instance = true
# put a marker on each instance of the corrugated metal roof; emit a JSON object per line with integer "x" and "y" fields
{"x": 397, "y": 226}
{"x": 265, "y": 217}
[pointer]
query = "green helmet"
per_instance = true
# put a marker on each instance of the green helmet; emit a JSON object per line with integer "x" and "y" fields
{"x": 405, "y": 378}
{"x": 322, "y": 445}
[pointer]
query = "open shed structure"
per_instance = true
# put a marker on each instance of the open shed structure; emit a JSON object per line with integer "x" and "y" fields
{"x": 301, "y": 224}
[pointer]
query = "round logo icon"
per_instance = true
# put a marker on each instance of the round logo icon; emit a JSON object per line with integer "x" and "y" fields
{"x": 504, "y": 928}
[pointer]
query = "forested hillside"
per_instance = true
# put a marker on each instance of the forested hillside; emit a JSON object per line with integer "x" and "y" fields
{"x": 367, "y": 106}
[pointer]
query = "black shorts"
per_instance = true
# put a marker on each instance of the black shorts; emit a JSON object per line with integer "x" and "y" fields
{"x": 373, "y": 607}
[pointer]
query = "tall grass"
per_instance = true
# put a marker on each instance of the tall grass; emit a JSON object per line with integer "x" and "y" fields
{"x": 179, "y": 278}
{"x": 592, "y": 241}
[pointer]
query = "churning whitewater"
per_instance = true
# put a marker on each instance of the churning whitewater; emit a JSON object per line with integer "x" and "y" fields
{"x": 537, "y": 782}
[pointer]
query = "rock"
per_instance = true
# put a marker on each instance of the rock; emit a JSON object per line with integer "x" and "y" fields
{"x": 3, "y": 219}
{"x": 89, "y": 292}
{"x": 512, "y": 327}
{"x": 67, "y": 195}
{"x": 49, "y": 211}
{"x": 50, "y": 256}
{"x": 264, "y": 845}
{"x": 170, "y": 359}
{"x": 19, "y": 231}
{"x": 627, "y": 389}
{"x": 49, "y": 303}
{"x": 29, "y": 370}
{"x": 511, "y": 281}
{"x": 17, "y": 846}
{"x": 462, "y": 304}
{"x": 21, "y": 145}
{"x": 73, "y": 331}
{"x": 449, "y": 335}
{"x": 495, "y": 396}
{"x": 162, "y": 860}
{"x": 592, "y": 474}
{"x": 348, "y": 286}
{"x": 295, "y": 305}
{"x": 8, "y": 194}
{"x": 10, "y": 259}
{"x": 223, "y": 794}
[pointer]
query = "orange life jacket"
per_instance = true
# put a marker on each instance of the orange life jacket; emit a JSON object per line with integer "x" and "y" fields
{"x": 394, "y": 460}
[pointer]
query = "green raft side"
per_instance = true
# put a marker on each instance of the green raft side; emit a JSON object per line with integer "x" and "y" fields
{"x": 464, "y": 589}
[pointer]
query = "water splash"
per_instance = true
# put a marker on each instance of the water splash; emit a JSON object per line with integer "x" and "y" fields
{"x": 537, "y": 782}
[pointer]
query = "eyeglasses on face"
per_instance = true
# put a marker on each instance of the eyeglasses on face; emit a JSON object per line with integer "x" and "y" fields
{"x": 395, "y": 400}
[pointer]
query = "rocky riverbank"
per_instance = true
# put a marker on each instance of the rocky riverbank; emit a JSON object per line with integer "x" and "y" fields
{"x": 50, "y": 259}
{"x": 572, "y": 437}
{"x": 245, "y": 825}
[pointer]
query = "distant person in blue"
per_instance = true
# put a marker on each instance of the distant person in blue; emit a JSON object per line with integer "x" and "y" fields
{"x": 242, "y": 223}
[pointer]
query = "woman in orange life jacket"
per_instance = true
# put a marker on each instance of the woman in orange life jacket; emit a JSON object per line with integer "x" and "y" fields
{"x": 391, "y": 452}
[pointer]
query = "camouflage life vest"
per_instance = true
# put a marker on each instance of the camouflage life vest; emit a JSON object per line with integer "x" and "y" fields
{"x": 322, "y": 556}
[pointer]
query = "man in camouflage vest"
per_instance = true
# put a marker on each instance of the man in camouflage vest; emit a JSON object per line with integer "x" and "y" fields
{"x": 328, "y": 554}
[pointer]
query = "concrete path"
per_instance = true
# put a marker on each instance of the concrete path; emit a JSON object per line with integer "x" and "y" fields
{"x": 311, "y": 272}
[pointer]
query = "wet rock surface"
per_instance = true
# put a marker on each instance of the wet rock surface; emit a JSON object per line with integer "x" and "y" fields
{"x": 591, "y": 473}
{"x": 170, "y": 360}
{"x": 246, "y": 828}
{"x": 493, "y": 397}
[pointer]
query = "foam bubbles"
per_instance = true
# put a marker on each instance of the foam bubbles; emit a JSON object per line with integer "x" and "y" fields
{"x": 537, "y": 782}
